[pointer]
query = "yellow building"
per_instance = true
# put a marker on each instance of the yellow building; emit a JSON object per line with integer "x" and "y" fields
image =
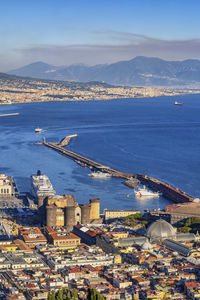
{"x": 94, "y": 208}
{"x": 117, "y": 259}
{"x": 114, "y": 214}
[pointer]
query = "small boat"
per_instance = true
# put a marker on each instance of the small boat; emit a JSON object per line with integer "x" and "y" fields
{"x": 99, "y": 175}
{"x": 143, "y": 192}
{"x": 38, "y": 130}
{"x": 178, "y": 103}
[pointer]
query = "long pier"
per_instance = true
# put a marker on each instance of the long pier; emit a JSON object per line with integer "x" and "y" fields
{"x": 168, "y": 191}
{"x": 87, "y": 162}
{"x": 7, "y": 115}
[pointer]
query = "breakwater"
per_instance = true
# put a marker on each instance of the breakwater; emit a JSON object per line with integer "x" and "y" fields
{"x": 7, "y": 115}
{"x": 168, "y": 191}
{"x": 86, "y": 162}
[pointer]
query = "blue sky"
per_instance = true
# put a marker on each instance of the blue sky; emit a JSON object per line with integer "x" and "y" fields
{"x": 64, "y": 32}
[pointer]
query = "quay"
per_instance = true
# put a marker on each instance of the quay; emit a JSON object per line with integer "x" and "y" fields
{"x": 7, "y": 115}
{"x": 93, "y": 165}
{"x": 167, "y": 190}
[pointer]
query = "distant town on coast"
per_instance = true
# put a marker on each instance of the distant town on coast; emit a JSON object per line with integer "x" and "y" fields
{"x": 114, "y": 82}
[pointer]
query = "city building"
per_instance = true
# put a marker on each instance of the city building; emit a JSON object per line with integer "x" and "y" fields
{"x": 110, "y": 214}
{"x": 32, "y": 236}
{"x": 87, "y": 235}
{"x": 61, "y": 238}
{"x": 183, "y": 211}
{"x": 7, "y": 186}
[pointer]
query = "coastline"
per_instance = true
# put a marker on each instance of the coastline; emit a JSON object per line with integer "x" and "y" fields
{"x": 36, "y": 90}
{"x": 98, "y": 98}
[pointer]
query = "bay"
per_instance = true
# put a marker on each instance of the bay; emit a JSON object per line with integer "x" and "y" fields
{"x": 151, "y": 136}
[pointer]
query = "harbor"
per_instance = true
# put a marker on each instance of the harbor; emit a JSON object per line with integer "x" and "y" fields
{"x": 125, "y": 143}
{"x": 168, "y": 191}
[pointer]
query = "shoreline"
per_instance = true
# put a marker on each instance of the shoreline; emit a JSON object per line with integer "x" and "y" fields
{"x": 102, "y": 99}
{"x": 35, "y": 90}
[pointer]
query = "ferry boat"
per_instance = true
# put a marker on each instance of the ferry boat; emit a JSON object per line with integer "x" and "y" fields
{"x": 143, "y": 192}
{"x": 178, "y": 103}
{"x": 41, "y": 186}
{"x": 38, "y": 130}
{"x": 99, "y": 175}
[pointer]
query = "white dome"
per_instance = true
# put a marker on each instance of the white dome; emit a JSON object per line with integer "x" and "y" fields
{"x": 146, "y": 245}
{"x": 161, "y": 230}
{"x": 196, "y": 200}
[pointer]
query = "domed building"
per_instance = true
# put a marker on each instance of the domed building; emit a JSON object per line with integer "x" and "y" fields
{"x": 146, "y": 245}
{"x": 161, "y": 230}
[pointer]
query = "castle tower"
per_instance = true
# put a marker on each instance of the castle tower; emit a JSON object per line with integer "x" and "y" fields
{"x": 95, "y": 208}
{"x": 85, "y": 213}
{"x": 77, "y": 214}
{"x": 70, "y": 220}
{"x": 51, "y": 215}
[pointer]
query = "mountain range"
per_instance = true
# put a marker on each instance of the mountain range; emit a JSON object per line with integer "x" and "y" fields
{"x": 139, "y": 71}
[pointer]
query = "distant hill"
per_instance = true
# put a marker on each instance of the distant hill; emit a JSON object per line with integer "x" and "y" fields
{"x": 142, "y": 71}
{"x": 4, "y": 77}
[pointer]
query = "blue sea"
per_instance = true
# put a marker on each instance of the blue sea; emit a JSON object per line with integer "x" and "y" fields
{"x": 149, "y": 135}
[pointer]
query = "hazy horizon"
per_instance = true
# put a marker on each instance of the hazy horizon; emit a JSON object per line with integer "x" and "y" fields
{"x": 101, "y": 32}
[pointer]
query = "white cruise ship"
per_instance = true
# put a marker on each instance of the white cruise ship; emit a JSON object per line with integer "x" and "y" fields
{"x": 143, "y": 192}
{"x": 99, "y": 175}
{"x": 41, "y": 185}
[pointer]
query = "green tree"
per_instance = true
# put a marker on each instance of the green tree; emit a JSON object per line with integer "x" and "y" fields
{"x": 188, "y": 222}
{"x": 185, "y": 229}
{"x": 144, "y": 223}
{"x": 59, "y": 295}
{"x": 93, "y": 294}
{"x": 66, "y": 294}
{"x": 51, "y": 295}
{"x": 74, "y": 294}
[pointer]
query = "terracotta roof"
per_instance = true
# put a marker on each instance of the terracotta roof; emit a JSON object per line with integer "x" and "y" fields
{"x": 69, "y": 236}
{"x": 190, "y": 285}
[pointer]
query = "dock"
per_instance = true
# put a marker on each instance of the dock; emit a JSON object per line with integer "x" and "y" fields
{"x": 87, "y": 162}
{"x": 168, "y": 191}
{"x": 7, "y": 115}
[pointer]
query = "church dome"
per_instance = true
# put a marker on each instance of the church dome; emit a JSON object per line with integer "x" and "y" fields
{"x": 160, "y": 230}
{"x": 146, "y": 245}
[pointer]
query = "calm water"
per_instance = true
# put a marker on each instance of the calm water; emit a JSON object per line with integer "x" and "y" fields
{"x": 151, "y": 136}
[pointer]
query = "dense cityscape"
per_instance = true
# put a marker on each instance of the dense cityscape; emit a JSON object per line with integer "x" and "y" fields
{"x": 100, "y": 143}
{"x": 53, "y": 247}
